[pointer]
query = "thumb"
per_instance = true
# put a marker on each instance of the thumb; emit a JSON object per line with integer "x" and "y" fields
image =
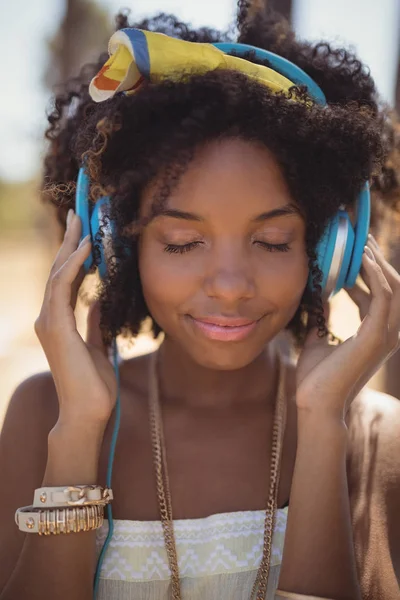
{"x": 93, "y": 335}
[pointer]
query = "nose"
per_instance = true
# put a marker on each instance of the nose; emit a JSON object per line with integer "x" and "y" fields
{"x": 230, "y": 278}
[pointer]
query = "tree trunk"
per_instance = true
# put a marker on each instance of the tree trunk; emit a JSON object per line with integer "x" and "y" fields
{"x": 82, "y": 35}
{"x": 284, "y": 7}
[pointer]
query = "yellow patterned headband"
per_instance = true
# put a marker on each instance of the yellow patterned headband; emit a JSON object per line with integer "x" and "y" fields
{"x": 137, "y": 56}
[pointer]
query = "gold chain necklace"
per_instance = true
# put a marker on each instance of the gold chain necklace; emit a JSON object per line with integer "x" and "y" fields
{"x": 163, "y": 488}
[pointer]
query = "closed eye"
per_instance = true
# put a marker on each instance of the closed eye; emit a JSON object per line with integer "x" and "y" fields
{"x": 273, "y": 247}
{"x": 181, "y": 249}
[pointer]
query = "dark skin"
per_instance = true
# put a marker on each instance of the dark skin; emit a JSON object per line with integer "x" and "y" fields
{"x": 207, "y": 400}
{"x": 233, "y": 266}
{"x": 217, "y": 397}
{"x": 224, "y": 450}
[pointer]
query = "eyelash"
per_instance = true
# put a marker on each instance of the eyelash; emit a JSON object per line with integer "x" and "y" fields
{"x": 175, "y": 249}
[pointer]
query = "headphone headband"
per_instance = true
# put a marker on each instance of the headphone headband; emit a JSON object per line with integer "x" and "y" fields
{"x": 279, "y": 64}
{"x": 341, "y": 246}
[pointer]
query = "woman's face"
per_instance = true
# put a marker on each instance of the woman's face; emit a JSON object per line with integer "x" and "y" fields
{"x": 220, "y": 274}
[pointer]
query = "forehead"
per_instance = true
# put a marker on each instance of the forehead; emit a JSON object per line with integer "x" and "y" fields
{"x": 227, "y": 176}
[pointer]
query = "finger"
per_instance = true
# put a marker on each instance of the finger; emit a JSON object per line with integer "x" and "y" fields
{"x": 76, "y": 286}
{"x": 70, "y": 242}
{"x": 390, "y": 272}
{"x": 69, "y": 270}
{"x": 361, "y": 297}
{"x": 365, "y": 276}
{"x": 60, "y": 284}
{"x": 393, "y": 278}
{"x": 375, "y": 324}
{"x": 380, "y": 259}
{"x": 363, "y": 272}
{"x": 69, "y": 245}
{"x": 93, "y": 335}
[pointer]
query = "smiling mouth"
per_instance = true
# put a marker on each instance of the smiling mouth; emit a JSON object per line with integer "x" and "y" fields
{"x": 224, "y": 329}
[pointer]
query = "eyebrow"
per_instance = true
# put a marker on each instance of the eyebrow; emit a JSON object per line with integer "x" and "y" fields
{"x": 283, "y": 211}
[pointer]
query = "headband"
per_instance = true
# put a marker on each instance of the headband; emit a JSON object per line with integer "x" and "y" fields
{"x": 137, "y": 56}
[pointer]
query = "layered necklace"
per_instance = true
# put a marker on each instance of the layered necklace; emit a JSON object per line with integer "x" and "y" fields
{"x": 163, "y": 487}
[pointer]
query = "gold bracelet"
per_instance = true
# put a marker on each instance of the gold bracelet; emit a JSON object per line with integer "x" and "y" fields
{"x": 281, "y": 595}
{"x": 67, "y": 520}
{"x": 60, "y": 520}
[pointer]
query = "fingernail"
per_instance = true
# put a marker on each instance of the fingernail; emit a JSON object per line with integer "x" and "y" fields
{"x": 369, "y": 253}
{"x": 69, "y": 216}
{"x": 84, "y": 241}
{"x": 373, "y": 240}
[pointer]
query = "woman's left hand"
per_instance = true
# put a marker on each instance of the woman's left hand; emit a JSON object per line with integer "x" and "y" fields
{"x": 328, "y": 376}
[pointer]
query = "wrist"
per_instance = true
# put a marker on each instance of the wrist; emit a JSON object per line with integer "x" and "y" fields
{"x": 319, "y": 426}
{"x": 321, "y": 418}
{"x": 77, "y": 432}
{"x": 73, "y": 456}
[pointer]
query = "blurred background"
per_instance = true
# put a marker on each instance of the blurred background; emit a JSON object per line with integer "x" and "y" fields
{"x": 45, "y": 41}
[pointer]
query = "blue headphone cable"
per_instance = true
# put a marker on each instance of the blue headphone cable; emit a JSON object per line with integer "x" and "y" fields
{"x": 109, "y": 472}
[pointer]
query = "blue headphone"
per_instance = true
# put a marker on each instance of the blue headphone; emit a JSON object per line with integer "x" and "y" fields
{"x": 339, "y": 251}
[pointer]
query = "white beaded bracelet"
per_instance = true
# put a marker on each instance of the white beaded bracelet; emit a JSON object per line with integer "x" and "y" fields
{"x": 73, "y": 495}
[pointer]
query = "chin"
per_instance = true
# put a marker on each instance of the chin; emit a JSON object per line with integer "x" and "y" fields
{"x": 224, "y": 356}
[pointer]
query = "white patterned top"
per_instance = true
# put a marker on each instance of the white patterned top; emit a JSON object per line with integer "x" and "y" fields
{"x": 218, "y": 557}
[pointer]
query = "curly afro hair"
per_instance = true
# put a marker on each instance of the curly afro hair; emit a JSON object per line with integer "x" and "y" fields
{"x": 325, "y": 153}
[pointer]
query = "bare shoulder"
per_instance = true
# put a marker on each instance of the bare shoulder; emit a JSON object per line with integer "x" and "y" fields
{"x": 374, "y": 487}
{"x": 31, "y": 414}
{"x": 33, "y": 404}
{"x": 374, "y": 428}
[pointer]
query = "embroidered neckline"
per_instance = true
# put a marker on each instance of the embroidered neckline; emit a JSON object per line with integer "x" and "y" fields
{"x": 219, "y": 543}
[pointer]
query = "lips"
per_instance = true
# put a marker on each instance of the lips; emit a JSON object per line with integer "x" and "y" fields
{"x": 224, "y": 329}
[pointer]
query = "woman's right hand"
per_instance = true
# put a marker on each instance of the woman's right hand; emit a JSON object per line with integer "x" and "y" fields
{"x": 83, "y": 374}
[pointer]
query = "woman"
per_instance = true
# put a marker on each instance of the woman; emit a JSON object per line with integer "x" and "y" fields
{"x": 195, "y": 165}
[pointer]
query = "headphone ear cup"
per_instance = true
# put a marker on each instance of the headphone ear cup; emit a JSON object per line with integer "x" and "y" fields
{"x": 361, "y": 230}
{"x": 324, "y": 252}
{"x": 82, "y": 209}
{"x": 340, "y": 250}
{"x": 344, "y": 250}
{"x": 334, "y": 252}
{"x": 103, "y": 238}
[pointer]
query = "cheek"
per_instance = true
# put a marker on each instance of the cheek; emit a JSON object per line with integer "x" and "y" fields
{"x": 283, "y": 280}
{"x": 167, "y": 280}
{"x": 295, "y": 276}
